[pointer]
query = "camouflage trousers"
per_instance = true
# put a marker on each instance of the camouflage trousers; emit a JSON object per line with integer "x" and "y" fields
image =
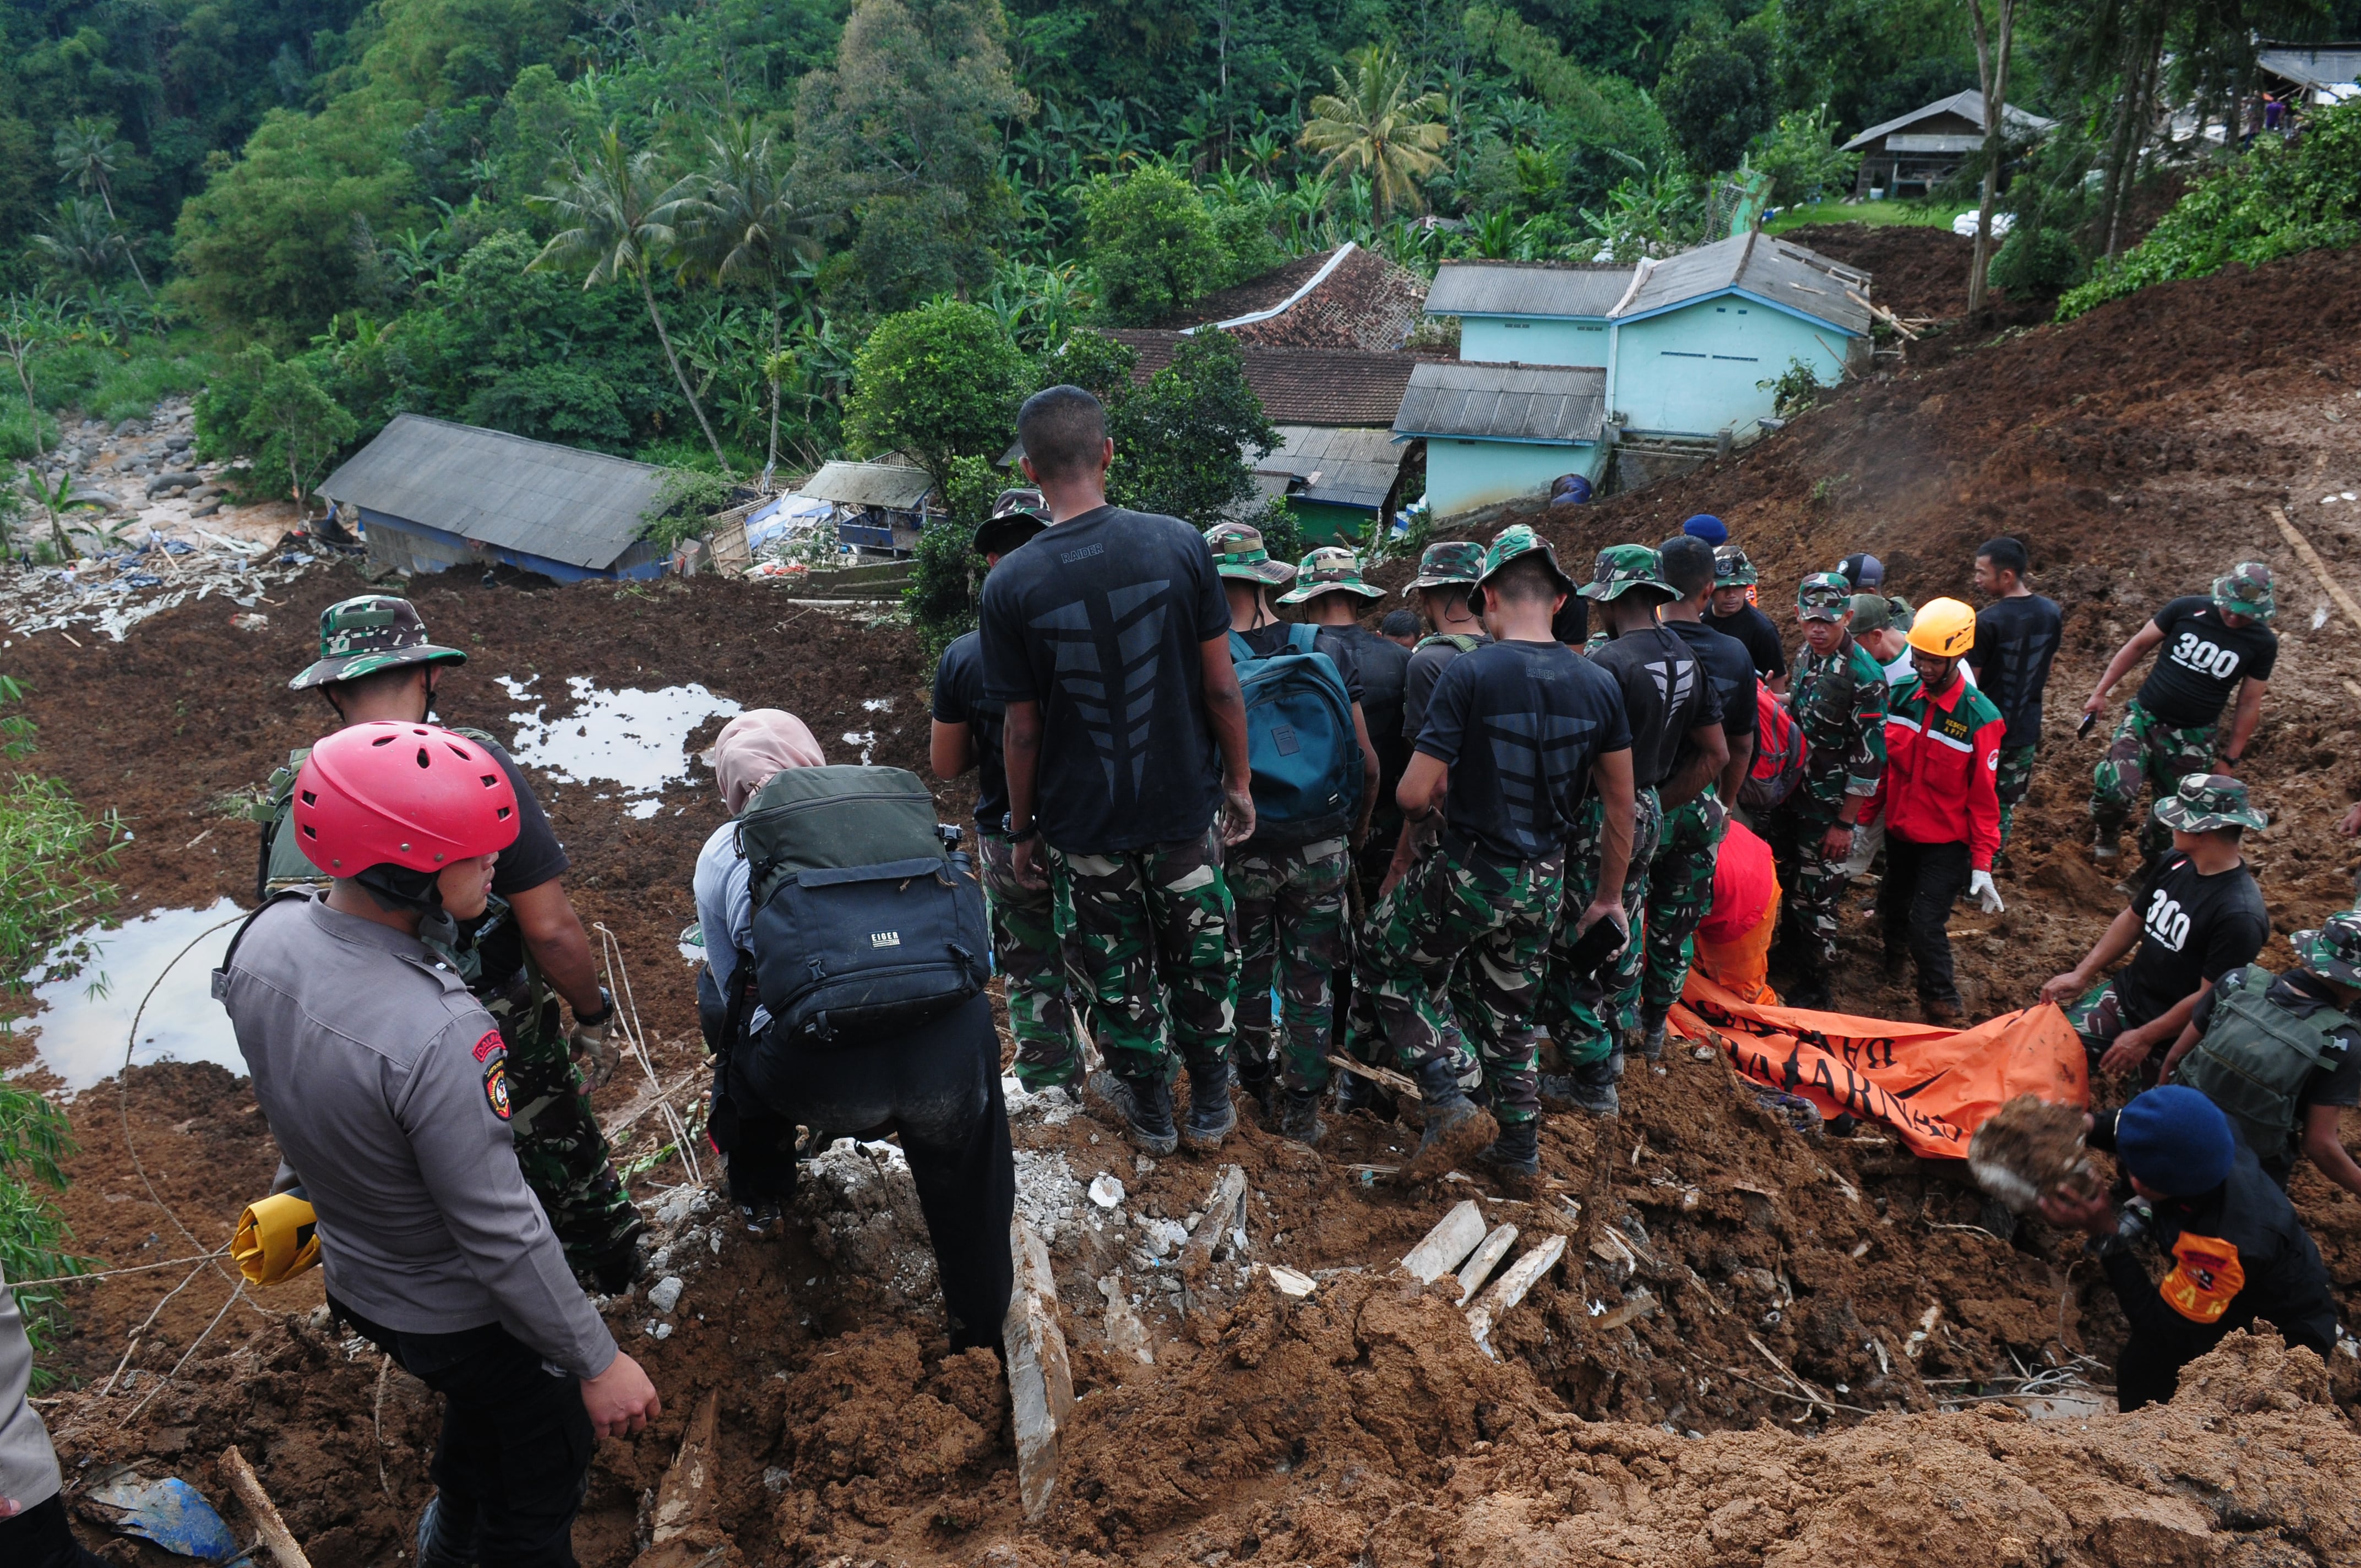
{"x": 1291, "y": 931}
{"x": 1585, "y": 1015}
{"x": 1147, "y": 933}
{"x": 2148, "y": 750}
{"x": 1680, "y": 890}
{"x": 1031, "y": 960}
{"x": 558, "y": 1143}
{"x": 2014, "y": 776}
{"x": 1463, "y": 928}
{"x": 1812, "y": 884}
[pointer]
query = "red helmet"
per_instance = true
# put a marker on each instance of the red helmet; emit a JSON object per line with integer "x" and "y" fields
{"x": 405, "y": 794}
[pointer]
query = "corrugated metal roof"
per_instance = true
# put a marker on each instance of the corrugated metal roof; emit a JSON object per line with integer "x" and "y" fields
{"x": 1348, "y": 467}
{"x": 1504, "y": 403}
{"x": 1524, "y": 289}
{"x": 1769, "y": 268}
{"x": 2325, "y": 67}
{"x": 867, "y": 485}
{"x": 532, "y": 497}
{"x": 1968, "y": 105}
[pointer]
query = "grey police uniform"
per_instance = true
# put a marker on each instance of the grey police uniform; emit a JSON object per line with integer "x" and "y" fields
{"x": 29, "y": 1465}
{"x": 385, "y": 1084}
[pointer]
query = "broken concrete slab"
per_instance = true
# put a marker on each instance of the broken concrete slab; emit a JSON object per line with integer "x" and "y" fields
{"x": 1511, "y": 1286}
{"x": 1484, "y": 1260}
{"x": 1454, "y": 1238}
{"x": 1288, "y": 1282}
{"x": 1041, "y": 1377}
{"x": 684, "y": 1531}
{"x": 1126, "y": 1333}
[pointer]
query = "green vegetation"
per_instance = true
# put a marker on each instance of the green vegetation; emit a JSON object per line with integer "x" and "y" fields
{"x": 2280, "y": 198}
{"x": 1877, "y": 215}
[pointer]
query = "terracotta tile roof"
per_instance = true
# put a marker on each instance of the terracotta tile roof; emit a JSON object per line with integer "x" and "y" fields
{"x": 1300, "y": 385}
{"x": 1365, "y": 301}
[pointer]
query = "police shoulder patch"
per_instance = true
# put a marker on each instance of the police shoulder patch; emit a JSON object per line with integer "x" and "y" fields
{"x": 493, "y": 1056}
{"x": 2206, "y": 1276}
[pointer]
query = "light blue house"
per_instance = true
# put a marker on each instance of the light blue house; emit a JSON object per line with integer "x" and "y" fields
{"x": 1683, "y": 346}
{"x": 1494, "y": 432}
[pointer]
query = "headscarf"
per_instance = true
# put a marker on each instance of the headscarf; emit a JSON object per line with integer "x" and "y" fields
{"x": 756, "y": 745}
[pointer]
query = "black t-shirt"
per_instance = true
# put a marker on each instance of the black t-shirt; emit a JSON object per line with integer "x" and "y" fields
{"x": 960, "y": 699}
{"x": 1519, "y": 725}
{"x": 1427, "y": 662}
{"x": 1384, "y": 668}
{"x": 2192, "y": 927}
{"x": 535, "y": 857}
{"x": 1571, "y": 624}
{"x": 1753, "y": 627}
{"x": 2337, "y": 1082}
{"x": 1267, "y": 640}
{"x": 2202, "y": 663}
{"x": 1100, "y": 619}
{"x": 1726, "y": 660}
{"x": 2017, "y": 640}
{"x": 1666, "y": 694}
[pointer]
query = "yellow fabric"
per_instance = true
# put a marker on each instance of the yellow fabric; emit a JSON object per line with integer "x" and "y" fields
{"x": 276, "y": 1239}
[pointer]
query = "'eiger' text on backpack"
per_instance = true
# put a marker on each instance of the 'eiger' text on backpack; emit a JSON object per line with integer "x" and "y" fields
{"x": 1778, "y": 754}
{"x": 1299, "y": 740}
{"x": 866, "y": 924}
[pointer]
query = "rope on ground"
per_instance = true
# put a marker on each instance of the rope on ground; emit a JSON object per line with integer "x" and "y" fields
{"x": 378, "y": 1420}
{"x": 619, "y": 983}
{"x": 153, "y": 1313}
{"x": 162, "y": 1383}
{"x": 122, "y": 1102}
{"x": 111, "y": 1273}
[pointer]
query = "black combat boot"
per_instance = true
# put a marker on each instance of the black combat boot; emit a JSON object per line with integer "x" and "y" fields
{"x": 1211, "y": 1117}
{"x": 1593, "y": 1085}
{"x": 1256, "y": 1075}
{"x": 1143, "y": 1106}
{"x": 1516, "y": 1154}
{"x": 1456, "y": 1125}
{"x": 1300, "y": 1118}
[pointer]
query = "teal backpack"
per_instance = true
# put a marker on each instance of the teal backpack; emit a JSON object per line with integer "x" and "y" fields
{"x": 1300, "y": 742}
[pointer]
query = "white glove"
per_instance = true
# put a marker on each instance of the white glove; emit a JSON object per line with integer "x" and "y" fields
{"x": 1980, "y": 889}
{"x": 591, "y": 1049}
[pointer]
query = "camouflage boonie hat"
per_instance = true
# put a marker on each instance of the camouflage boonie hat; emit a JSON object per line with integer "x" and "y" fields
{"x": 1623, "y": 567}
{"x": 2207, "y": 801}
{"x": 1515, "y": 543}
{"x": 2332, "y": 952}
{"x": 1823, "y": 596}
{"x": 1020, "y": 511}
{"x": 2246, "y": 591}
{"x": 1455, "y": 563}
{"x": 1329, "y": 570}
{"x": 1731, "y": 569}
{"x": 1238, "y": 552}
{"x": 361, "y": 636}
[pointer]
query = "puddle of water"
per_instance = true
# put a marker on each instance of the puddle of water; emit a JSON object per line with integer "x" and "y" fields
{"x": 634, "y": 740}
{"x": 80, "y": 1035}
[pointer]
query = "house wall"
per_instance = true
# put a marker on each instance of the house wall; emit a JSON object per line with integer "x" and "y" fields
{"x": 1464, "y": 474}
{"x": 1532, "y": 340}
{"x": 1330, "y": 523}
{"x": 414, "y": 547}
{"x": 1693, "y": 371}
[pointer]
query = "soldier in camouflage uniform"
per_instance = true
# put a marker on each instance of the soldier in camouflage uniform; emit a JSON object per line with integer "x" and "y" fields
{"x": 1520, "y": 726}
{"x": 967, "y": 734}
{"x": 2208, "y": 649}
{"x": 526, "y": 953}
{"x": 1838, "y": 696}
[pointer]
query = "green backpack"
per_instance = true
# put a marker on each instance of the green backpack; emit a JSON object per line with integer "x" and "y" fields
{"x": 2255, "y": 1057}
{"x": 282, "y": 865}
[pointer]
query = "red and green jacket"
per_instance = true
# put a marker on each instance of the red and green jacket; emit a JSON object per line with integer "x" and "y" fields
{"x": 1942, "y": 764}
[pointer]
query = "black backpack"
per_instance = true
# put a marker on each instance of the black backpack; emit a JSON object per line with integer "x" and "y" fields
{"x": 867, "y": 923}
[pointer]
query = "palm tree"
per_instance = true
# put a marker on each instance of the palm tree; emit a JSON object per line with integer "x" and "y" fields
{"x": 83, "y": 242}
{"x": 1373, "y": 124}
{"x": 742, "y": 224}
{"x": 86, "y": 153}
{"x": 611, "y": 203}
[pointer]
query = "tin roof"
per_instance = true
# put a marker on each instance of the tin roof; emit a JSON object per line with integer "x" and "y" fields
{"x": 888, "y": 485}
{"x": 1524, "y": 289}
{"x": 2327, "y": 65}
{"x": 1968, "y": 106}
{"x": 536, "y": 497}
{"x": 1769, "y": 269}
{"x": 1504, "y": 403}
{"x": 1348, "y": 467}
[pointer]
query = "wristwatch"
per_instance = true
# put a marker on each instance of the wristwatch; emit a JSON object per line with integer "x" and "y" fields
{"x": 1024, "y": 835}
{"x": 606, "y": 1013}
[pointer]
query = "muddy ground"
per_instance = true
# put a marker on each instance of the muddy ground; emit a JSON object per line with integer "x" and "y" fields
{"x": 2138, "y": 452}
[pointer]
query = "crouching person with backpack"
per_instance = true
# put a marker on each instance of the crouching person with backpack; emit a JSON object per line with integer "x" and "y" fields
{"x": 1315, "y": 779}
{"x": 848, "y": 943}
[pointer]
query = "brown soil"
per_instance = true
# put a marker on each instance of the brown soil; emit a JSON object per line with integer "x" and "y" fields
{"x": 1719, "y": 1261}
{"x": 2029, "y": 1149}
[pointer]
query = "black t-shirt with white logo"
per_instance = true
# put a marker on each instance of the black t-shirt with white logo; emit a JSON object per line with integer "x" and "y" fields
{"x": 1667, "y": 692}
{"x": 1753, "y": 627}
{"x": 2017, "y": 640}
{"x": 1099, "y": 620}
{"x": 960, "y": 699}
{"x": 1519, "y": 725}
{"x": 2202, "y": 662}
{"x": 1726, "y": 660}
{"x": 2192, "y": 927}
